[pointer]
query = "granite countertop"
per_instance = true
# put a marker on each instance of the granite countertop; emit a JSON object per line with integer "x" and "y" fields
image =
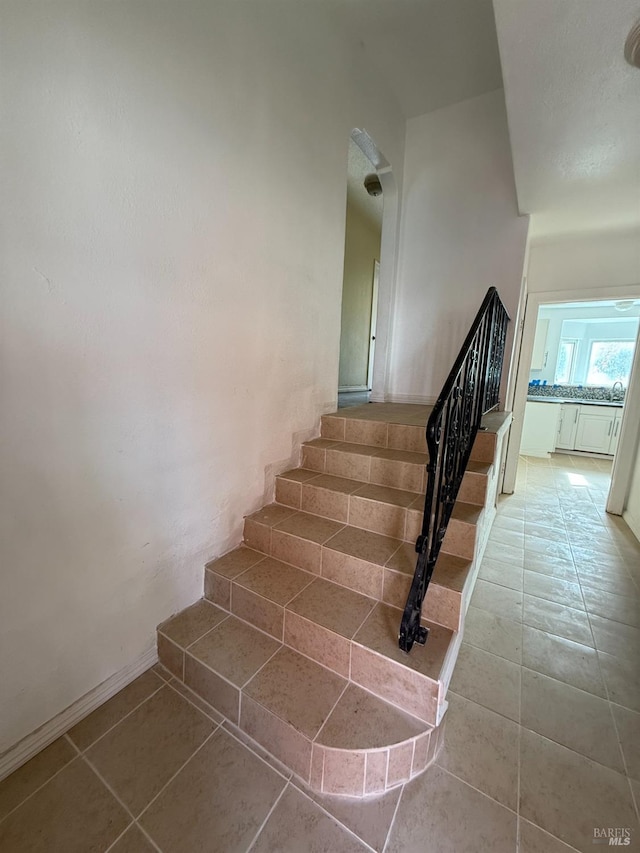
{"x": 539, "y": 399}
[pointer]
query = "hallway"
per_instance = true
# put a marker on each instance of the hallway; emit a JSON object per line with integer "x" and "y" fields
{"x": 541, "y": 740}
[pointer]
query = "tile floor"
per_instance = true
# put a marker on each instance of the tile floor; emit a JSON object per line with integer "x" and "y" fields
{"x": 543, "y": 730}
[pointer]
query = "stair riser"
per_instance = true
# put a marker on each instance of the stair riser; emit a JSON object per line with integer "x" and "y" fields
{"x": 367, "y": 469}
{"x": 329, "y": 770}
{"x": 414, "y": 693}
{"x": 377, "y": 434}
{"x": 386, "y": 519}
{"x": 370, "y": 579}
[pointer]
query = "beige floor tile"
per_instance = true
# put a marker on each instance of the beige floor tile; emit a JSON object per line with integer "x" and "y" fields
{"x": 611, "y": 606}
{"x": 193, "y": 623}
{"x": 218, "y": 801}
{"x": 103, "y": 718}
{"x": 628, "y": 725}
{"x": 498, "y": 600}
{"x": 133, "y": 841}
{"x": 501, "y": 573}
{"x": 495, "y": 634}
{"x": 74, "y": 812}
{"x": 553, "y": 589}
{"x": 617, "y": 582}
{"x": 196, "y": 700}
{"x": 380, "y": 633}
{"x": 615, "y": 638}
{"x": 557, "y": 619}
{"x": 311, "y": 527}
{"x": 334, "y": 607}
{"x": 554, "y": 567}
{"x": 489, "y": 680}
{"x": 364, "y": 545}
{"x": 481, "y": 748}
{"x": 505, "y": 554}
{"x": 298, "y": 824}
{"x": 362, "y": 721}
{"x": 578, "y": 720}
{"x": 562, "y": 659}
{"x": 569, "y": 795}
{"x": 536, "y": 840}
{"x": 275, "y": 580}
{"x": 297, "y": 690}
{"x": 28, "y": 778}
{"x": 505, "y": 537}
{"x": 369, "y": 818}
{"x": 235, "y": 650}
{"x": 622, "y": 677}
{"x": 458, "y": 818}
{"x": 142, "y": 753}
{"x": 235, "y": 562}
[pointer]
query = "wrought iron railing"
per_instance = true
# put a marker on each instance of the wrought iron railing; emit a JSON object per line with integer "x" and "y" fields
{"x": 471, "y": 390}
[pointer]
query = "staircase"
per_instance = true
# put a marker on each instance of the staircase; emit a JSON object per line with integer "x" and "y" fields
{"x": 296, "y": 640}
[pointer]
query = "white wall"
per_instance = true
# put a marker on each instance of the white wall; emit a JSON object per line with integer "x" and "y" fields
{"x": 460, "y": 234}
{"x": 173, "y": 211}
{"x": 583, "y": 261}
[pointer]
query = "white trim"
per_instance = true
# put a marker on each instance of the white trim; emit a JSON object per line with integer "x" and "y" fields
{"x": 352, "y": 389}
{"x": 633, "y": 522}
{"x": 34, "y": 743}
{"x": 622, "y": 472}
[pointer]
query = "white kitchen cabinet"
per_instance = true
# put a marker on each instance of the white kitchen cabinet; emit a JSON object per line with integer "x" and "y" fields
{"x": 568, "y": 426}
{"x": 595, "y": 428}
{"x": 615, "y": 433}
{"x": 540, "y": 429}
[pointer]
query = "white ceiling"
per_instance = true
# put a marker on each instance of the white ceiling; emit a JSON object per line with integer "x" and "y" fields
{"x": 430, "y": 53}
{"x": 573, "y": 106}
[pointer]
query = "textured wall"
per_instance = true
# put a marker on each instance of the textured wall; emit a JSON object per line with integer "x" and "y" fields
{"x": 171, "y": 282}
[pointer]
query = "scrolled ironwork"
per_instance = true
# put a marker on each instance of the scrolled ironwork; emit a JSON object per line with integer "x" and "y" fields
{"x": 471, "y": 390}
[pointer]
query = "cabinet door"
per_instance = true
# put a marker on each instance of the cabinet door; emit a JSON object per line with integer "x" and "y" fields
{"x": 540, "y": 429}
{"x": 568, "y": 426}
{"x": 539, "y": 355}
{"x": 615, "y": 433}
{"x": 594, "y": 431}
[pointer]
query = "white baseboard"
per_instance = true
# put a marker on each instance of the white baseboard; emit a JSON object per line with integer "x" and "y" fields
{"x": 349, "y": 389}
{"x": 30, "y": 745}
{"x": 632, "y": 522}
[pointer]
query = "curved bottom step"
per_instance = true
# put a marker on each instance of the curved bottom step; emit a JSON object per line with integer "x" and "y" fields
{"x": 336, "y": 736}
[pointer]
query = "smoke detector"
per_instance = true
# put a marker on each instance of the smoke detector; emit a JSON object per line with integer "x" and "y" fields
{"x": 373, "y": 186}
{"x": 632, "y": 46}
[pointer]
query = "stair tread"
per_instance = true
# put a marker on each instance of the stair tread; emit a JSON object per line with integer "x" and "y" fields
{"x": 361, "y": 720}
{"x": 299, "y": 475}
{"x": 479, "y": 467}
{"x": 450, "y": 571}
{"x": 234, "y": 650}
{"x": 467, "y": 512}
{"x": 334, "y": 607}
{"x": 412, "y": 456}
{"x": 235, "y": 562}
{"x": 380, "y": 634}
{"x": 297, "y": 690}
{"x": 274, "y": 580}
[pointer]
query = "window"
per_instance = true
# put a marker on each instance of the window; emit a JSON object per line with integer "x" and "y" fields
{"x": 566, "y": 361}
{"x": 609, "y": 362}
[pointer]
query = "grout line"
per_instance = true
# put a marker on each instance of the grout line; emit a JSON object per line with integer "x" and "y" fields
{"x": 124, "y": 717}
{"x": 269, "y": 813}
{"x": 40, "y": 787}
{"x": 122, "y": 834}
{"x": 393, "y": 818}
{"x": 179, "y": 770}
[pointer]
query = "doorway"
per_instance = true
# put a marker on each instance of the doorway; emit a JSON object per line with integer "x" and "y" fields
{"x": 363, "y": 235}
{"x": 578, "y": 385}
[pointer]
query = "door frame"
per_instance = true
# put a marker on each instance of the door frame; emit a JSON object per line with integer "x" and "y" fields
{"x": 373, "y": 323}
{"x": 630, "y": 426}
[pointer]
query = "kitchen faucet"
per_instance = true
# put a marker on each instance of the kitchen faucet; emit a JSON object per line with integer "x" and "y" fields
{"x": 612, "y": 392}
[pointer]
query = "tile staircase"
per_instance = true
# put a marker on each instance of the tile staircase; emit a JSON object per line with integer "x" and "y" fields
{"x": 295, "y": 641}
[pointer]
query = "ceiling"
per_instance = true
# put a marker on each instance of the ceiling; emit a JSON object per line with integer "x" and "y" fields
{"x": 430, "y": 53}
{"x": 573, "y": 106}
